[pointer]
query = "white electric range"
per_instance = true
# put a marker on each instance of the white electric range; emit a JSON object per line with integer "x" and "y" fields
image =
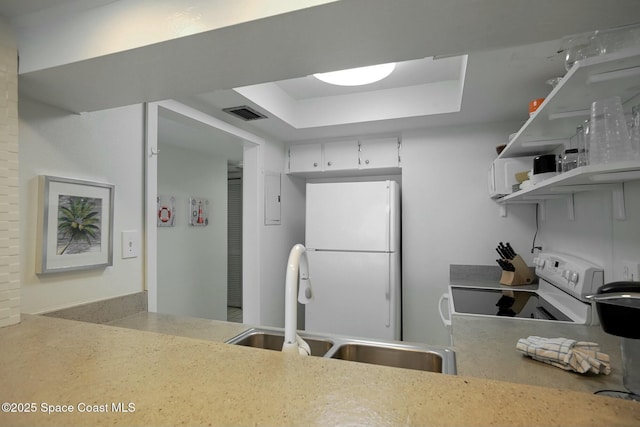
{"x": 564, "y": 283}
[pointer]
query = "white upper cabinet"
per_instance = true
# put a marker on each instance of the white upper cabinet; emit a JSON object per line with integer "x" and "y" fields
{"x": 379, "y": 153}
{"x": 346, "y": 157}
{"x": 305, "y": 158}
{"x": 341, "y": 155}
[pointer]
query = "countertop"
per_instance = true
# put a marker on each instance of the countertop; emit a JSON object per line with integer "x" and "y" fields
{"x": 163, "y": 379}
{"x": 486, "y": 348}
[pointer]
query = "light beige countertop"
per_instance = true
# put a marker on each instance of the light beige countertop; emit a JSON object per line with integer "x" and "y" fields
{"x": 191, "y": 327}
{"x": 486, "y": 347}
{"x": 172, "y": 380}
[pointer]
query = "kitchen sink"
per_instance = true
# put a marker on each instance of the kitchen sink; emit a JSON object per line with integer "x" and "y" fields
{"x": 273, "y": 340}
{"x": 397, "y": 357}
{"x": 420, "y": 357}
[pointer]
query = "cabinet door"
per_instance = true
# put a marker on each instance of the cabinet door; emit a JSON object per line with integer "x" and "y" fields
{"x": 379, "y": 153}
{"x": 341, "y": 155}
{"x": 305, "y": 158}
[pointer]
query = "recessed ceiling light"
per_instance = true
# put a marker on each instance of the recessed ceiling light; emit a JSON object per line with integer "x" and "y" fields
{"x": 357, "y": 76}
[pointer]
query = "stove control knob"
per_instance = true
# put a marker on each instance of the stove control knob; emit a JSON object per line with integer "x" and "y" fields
{"x": 574, "y": 277}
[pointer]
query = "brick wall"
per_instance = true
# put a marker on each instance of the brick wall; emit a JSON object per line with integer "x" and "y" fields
{"x": 9, "y": 215}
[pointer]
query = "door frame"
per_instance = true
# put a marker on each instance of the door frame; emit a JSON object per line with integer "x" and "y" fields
{"x": 252, "y": 212}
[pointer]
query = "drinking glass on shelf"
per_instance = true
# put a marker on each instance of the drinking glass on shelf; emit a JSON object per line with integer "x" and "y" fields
{"x": 609, "y": 139}
{"x": 634, "y": 132}
{"x": 581, "y": 144}
{"x": 581, "y": 46}
{"x": 618, "y": 38}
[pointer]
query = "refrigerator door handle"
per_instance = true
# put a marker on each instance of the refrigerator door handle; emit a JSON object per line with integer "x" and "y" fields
{"x": 388, "y": 298}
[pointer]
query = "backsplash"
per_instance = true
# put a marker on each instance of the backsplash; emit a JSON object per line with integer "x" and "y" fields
{"x": 9, "y": 216}
{"x": 478, "y": 272}
{"x": 104, "y": 311}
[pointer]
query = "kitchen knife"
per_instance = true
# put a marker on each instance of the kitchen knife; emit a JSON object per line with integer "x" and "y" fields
{"x": 508, "y": 266}
{"x": 506, "y": 251}
{"x": 503, "y": 251}
{"x": 505, "y": 265}
{"x": 511, "y": 251}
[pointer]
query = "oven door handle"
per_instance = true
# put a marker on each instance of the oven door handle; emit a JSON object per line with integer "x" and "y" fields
{"x": 622, "y": 299}
{"x": 443, "y": 297}
{"x": 614, "y": 296}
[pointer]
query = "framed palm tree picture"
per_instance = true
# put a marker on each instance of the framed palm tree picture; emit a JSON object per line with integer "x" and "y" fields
{"x": 75, "y": 225}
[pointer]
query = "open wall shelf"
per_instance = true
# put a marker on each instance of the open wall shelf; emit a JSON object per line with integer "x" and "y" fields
{"x": 555, "y": 122}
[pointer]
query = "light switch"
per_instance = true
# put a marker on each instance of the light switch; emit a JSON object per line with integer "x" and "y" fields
{"x": 130, "y": 244}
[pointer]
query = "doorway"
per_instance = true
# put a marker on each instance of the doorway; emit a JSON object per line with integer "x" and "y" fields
{"x": 251, "y": 158}
{"x": 234, "y": 242}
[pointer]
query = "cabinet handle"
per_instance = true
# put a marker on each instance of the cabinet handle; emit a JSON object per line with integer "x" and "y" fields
{"x": 367, "y": 162}
{"x": 328, "y": 163}
{"x": 315, "y": 165}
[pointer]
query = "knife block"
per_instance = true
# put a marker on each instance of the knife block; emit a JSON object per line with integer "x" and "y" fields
{"x": 521, "y": 276}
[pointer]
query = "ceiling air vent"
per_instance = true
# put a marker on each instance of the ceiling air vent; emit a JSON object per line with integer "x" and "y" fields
{"x": 245, "y": 113}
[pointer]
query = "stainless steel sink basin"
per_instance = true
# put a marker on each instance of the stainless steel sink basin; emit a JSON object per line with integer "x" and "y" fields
{"x": 396, "y": 357}
{"x": 273, "y": 340}
{"x": 421, "y": 357}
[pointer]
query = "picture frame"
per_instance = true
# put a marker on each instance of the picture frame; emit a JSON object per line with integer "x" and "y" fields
{"x": 75, "y": 225}
{"x": 198, "y": 212}
{"x": 166, "y": 211}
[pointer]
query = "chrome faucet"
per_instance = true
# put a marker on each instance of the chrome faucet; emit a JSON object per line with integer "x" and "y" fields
{"x": 297, "y": 276}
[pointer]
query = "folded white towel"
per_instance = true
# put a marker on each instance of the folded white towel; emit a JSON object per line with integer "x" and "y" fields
{"x": 571, "y": 355}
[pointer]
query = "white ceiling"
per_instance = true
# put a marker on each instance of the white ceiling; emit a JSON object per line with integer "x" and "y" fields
{"x": 498, "y": 87}
{"x": 407, "y": 73}
{"x": 511, "y": 46}
{"x": 15, "y": 8}
{"x": 180, "y": 131}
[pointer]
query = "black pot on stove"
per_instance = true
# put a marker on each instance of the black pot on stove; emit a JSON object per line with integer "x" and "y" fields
{"x": 618, "y": 306}
{"x": 619, "y": 309}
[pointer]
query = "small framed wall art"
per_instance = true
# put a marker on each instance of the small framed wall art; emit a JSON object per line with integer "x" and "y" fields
{"x": 75, "y": 225}
{"x": 198, "y": 212}
{"x": 166, "y": 211}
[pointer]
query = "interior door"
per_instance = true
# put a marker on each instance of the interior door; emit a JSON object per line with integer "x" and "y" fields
{"x": 353, "y": 294}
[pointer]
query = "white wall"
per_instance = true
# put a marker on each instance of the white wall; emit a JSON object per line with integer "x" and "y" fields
{"x": 279, "y": 239}
{"x": 192, "y": 261}
{"x": 594, "y": 234}
{"x": 104, "y": 146}
{"x": 448, "y": 218}
{"x": 264, "y": 258}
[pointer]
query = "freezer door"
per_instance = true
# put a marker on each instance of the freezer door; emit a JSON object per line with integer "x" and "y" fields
{"x": 354, "y": 293}
{"x": 355, "y": 216}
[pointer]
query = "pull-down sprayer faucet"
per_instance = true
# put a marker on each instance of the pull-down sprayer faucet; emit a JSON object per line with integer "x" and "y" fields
{"x": 297, "y": 273}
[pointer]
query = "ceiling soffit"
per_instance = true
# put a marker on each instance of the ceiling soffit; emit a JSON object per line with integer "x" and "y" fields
{"x": 417, "y": 88}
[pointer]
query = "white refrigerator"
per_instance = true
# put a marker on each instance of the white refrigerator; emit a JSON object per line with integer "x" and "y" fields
{"x": 353, "y": 243}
